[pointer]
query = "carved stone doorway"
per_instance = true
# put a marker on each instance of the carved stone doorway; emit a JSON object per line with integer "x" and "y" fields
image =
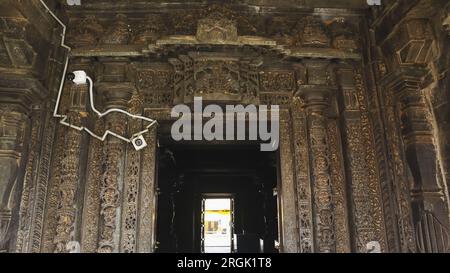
{"x": 187, "y": 172}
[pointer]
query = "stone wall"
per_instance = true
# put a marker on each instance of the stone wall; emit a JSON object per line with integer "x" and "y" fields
{"x": 364, "y": 148}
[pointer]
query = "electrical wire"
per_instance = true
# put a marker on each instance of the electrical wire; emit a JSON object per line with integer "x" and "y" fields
{"x": 64, "y": 118}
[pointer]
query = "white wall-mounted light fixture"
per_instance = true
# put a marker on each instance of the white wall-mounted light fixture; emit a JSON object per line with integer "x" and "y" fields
{"x": 80, "y": 77}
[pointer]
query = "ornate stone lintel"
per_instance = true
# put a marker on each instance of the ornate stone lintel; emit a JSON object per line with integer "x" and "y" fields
{"x": 216, "y": 77}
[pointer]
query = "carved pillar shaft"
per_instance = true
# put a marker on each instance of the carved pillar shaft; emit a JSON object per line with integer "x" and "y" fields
{"x": 27, "y": 202}
{"x": 410, "y": 48}
{"x": 430, "y": 211}
{"x": 445, "y": 142}
{"x": 115, "y": 96}
{"x": 146, "y": 227}
{"x": 400, "y": 181}
{"x": 366, "y": 221}
{"x": 339, "y": 188}
{"x": 316, "y": 98}
{"x": 289, "y": 228}
{"x": 440, "y": 96}
{"x": 68, "y": 186}
{"x": 12, "y": 130}
{"x": 36, "y": 228}
{"x": 441, "y": 111}
{"x": 21, "y": 63}
{"x": 91, "y": 208}
{"x": 20, "y": 91}
{"x": 49, "y": 226}
{"x": 110, "y": 193}
{"x": 304, "y": 192}
{"x": 131, "y": 183}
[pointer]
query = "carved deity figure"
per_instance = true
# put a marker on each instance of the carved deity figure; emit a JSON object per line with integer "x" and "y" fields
{"x": 118, "y": 33}
{"x": 85, "y": 32}
{"x": 216, "y": 28}
{"x": 314, "y": 33}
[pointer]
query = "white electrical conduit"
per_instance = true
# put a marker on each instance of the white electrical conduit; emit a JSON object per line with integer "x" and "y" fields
{"x": 64, "y": 118}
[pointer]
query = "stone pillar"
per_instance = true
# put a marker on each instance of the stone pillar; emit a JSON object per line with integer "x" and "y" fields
{"x": 131, "y": 188}
{"x": 410, "y": 50}
{"x": 18, "y": 94}
{"x": 441, "y": 94}
{"x": 91, "y": 207}
{"x": 287, "y": 191}
{"x": 68, "y": 185}
{"x": 429, "y": 207}
{"x": 12, "y": 131}
{"x": 15, "y": 103}
{"x": 339, "y": 182}
{"x": 314, "y": 106}
{"x": 302, "y": 175}
{"x": 59, "y": 217}
{"x": 315, "y": 94}
{"x": 115, "y": 95}
{"x": 146, "y": 228}
{"x": 316, "y": 103}
{"x": 364, "y": 193}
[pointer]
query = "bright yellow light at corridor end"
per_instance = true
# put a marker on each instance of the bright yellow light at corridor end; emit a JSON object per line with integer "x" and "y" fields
{"x": 217, "y": 226}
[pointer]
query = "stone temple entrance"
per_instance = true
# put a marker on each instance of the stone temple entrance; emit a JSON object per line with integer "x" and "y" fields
{"x": 363, "y": 160}
{"x": 189, "y": 174}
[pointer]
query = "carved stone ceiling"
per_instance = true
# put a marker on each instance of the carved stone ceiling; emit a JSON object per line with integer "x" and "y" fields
{"x": 154, "y": 27}
{"x": 217, "y": 50}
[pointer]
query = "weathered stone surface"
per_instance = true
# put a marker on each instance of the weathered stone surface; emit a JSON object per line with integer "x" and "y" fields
{"x": 364, "y": 157}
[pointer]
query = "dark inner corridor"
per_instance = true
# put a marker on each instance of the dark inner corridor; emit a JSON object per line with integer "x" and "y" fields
{"x": 186, "y": 174}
